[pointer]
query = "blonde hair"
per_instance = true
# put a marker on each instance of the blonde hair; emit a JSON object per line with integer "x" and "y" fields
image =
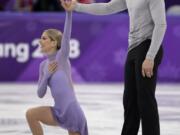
{"x": 55, "y": 35}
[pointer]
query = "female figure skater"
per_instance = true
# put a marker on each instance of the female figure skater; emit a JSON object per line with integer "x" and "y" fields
{"x": 66, "y": 112}
{"x": 147, "y": 29}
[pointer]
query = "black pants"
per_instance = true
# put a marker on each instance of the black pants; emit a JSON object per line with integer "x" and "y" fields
{"x": 139, "y": 94}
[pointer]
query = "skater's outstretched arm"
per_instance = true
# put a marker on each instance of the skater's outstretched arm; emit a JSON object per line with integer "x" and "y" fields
{"x": 111, "y": 7}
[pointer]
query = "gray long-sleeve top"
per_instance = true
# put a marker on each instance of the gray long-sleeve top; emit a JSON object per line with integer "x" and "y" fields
{"x": 147, "y": 20}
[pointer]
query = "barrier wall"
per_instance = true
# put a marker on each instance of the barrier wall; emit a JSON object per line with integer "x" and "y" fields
{"x": 98, "y": 47}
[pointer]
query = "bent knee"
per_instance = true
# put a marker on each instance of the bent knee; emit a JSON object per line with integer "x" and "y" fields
{"x": 30, "y": 114}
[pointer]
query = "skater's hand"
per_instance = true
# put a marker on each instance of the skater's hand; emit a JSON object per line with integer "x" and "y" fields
{"x": 147, "y": 68}
{"x": 52, "y": 67}
{"x": 68, "y": 5}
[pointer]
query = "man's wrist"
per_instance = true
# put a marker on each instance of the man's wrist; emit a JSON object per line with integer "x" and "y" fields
{"x": 149, "y": 57}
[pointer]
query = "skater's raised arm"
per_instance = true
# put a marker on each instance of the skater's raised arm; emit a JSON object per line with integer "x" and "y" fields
{"x": 65, "y": 43}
